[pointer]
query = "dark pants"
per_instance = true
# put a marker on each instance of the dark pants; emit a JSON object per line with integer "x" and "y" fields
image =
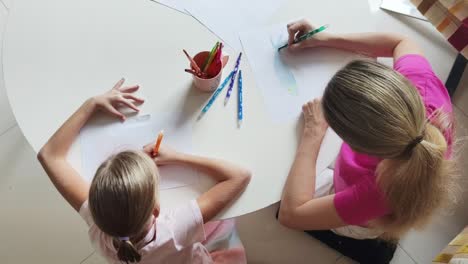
{"x": 364, "y": 251}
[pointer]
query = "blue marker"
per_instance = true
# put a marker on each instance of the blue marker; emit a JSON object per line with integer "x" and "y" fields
{"x": 215, "y": 94}
{"x": 236, "y": 68}
{"x": 239, "y": 100}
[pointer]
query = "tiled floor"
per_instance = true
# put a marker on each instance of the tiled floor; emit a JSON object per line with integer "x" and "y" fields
{"x": 38, "y": 227}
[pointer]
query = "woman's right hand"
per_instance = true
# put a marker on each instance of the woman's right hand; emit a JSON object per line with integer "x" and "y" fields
{"x": 301, "y": 27}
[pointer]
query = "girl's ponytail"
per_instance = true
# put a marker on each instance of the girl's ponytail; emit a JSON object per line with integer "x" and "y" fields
{"x": 379, "y": 112}
{"x": 126, "y": 251}
{"x": 122, "y": 199}
{"x": 417, "y": 182}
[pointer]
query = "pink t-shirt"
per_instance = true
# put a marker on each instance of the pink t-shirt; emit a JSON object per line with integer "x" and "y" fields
{"x": 358, "y": 198}
{"x": 175, "y": 237}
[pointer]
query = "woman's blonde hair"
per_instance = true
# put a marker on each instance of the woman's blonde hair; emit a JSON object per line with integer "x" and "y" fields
{"x": 122, "y": 198}
{"x": 379, "y": 112}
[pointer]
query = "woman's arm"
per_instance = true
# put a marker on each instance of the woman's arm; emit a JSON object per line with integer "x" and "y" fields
{"x": 298, "y": 208}
{"x": 373, "y": 44}
{"x": 53, "y": 154}
{"x": 231, "y": 179}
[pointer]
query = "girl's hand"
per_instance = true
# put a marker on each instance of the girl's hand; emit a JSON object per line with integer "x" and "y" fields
{"x": 315, "y": 124}
{"x": 166, "y": 155}
{"x": 118, "y": 96}
{"x": 301, "y": 27}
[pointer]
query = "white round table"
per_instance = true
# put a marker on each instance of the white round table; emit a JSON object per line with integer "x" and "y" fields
{"x": 57, "y": 53}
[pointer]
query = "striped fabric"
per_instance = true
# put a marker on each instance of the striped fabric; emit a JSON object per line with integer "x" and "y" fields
{"x": 450, "y": 17}
{"x": 456, "y": 251}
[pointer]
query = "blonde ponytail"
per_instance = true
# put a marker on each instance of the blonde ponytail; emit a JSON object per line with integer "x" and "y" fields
{"x": 122, "y": 198}
{"x": 417, "y": 183}
{"x": 380, "y": 113}
{"x": 127, "y": 252}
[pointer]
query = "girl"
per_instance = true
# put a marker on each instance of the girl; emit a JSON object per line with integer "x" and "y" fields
{"x": 122, "y": 206}
{"x": 394, "y": 168}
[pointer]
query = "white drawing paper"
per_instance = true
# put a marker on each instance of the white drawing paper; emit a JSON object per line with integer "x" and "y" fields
{"x": 287, "y": 80}
{"x": 404, "y": 7}
{"x": 227, "y": 18}
{"x": 174, "y": 4}
{"x": 101, "y": 138}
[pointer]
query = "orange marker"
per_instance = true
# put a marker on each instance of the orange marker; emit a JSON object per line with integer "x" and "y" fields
{"x": 158, "y": 142}
{"x": 192, "y": 62}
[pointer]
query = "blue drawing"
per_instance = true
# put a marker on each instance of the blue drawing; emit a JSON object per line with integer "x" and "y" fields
{"x": 282, "y": 70}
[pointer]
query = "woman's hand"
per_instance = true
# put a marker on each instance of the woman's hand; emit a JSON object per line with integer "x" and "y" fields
{"x": 301, "y": 27}
{"x": 166, "y": 154}
{"x": 118, "y": 96}
{"x": 314, "y": 122}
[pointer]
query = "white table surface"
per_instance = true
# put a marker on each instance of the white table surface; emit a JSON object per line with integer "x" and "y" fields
{"x": 57, "y": 53}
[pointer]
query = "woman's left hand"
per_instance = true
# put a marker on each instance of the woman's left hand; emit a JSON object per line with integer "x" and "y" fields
{"x": 314, "y": 122}
{"x": 118, "y": 95}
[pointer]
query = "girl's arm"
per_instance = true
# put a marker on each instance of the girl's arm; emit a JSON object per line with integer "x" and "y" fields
{"x": 373, "y": 44}
{"x": 298, "y": 208}
{"x": 231, "y": 179}
{"x": 53, "y": 155}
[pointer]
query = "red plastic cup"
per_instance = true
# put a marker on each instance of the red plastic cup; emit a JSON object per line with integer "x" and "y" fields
{"x": 208, "y": 84}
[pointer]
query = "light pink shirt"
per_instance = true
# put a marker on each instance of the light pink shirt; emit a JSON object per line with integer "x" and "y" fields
{"x": 358, "y": 199}
{"x": 175, "y": 237}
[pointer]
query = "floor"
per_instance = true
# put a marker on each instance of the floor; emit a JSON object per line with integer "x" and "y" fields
{"x": 38, "y": 227}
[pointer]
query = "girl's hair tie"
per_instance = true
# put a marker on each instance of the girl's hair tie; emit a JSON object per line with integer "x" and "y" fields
{"x": 124, "y": 238}
{"x": 409, "y": 148}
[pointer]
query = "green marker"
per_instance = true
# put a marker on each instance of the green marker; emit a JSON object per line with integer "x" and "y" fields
{"x": 305, "y": 36}
{"x": 210, "y": 57}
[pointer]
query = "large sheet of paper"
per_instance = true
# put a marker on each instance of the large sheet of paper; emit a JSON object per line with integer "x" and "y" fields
{"x": 288, "y": 80}
{"x": 174, "y": 4}
{"x": 101, "y": 138}
{"x": 227, "y": 18}
{"x": 404, "y": 7}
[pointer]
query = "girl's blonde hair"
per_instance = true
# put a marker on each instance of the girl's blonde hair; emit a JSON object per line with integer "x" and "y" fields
{"x": 122, "y": 198}
{"x": 379, "y": 112}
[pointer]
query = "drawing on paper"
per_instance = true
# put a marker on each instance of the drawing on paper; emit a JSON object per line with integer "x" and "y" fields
{"x": 282, "y": 70}
{"x": 288, "y": 80}
{"x": 100, "y": 140}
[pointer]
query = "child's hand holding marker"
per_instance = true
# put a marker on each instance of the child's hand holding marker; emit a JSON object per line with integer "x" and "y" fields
{"x": 161, "y": 154}
{"x": 303, "y": 35}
